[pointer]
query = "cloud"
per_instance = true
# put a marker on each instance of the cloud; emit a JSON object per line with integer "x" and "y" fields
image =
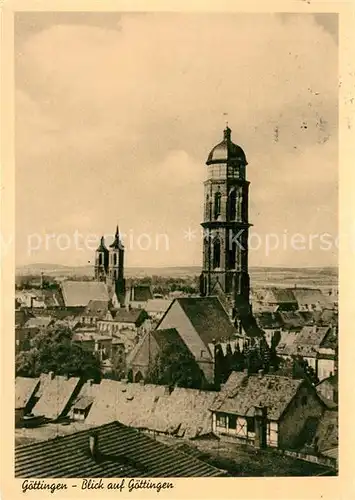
{"x": 118, "y": 123}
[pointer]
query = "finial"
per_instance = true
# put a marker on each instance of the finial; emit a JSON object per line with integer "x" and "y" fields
{"x": 227, "y": 133}
{"x": 117, "y": 232}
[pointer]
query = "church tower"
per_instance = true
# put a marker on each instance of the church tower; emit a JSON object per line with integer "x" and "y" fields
{"x": 226, "y": 227}
{"x": 101, "y": 261}
{"x": 116, "y": 267}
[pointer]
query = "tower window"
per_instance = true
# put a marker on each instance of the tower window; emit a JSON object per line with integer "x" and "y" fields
{"x": 100, "y": 259}
{"x": 232, "y": 205}
{"x": 216, "y": 254}
{"x": 115, "y": 259}
{"x": 217, "y": 204}
{"x": 232, "y": 255}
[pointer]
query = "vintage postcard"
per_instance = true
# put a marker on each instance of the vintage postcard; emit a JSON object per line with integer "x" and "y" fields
{"x": 175, "y": 206}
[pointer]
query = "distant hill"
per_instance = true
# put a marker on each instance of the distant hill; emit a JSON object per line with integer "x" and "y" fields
{"x": 260, "y": 276}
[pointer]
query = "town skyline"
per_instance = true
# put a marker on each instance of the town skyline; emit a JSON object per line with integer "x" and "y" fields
{"x": 99, "y": 154}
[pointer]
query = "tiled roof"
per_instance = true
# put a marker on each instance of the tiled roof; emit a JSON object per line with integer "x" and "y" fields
{"x": 307, "y": 296}
{"x": 96, "y": 308}
{"x": 157, "y": 305}
{"x": 122, "y": 452}
{"x": 268, "y": 320}
{"x": 80, "y": 293}
{"x": 292, "y": 319}
{"x": 246, "y": 392}
{"x": 124, "y": 402}
{"x": 168, "y": 337}
{"x": 330, "y": 341}
{"x": 208, "y": 317}
{"x": 24, "y": 389}
{"x": 305, "y": 343}
{"x": 39, "y": 322}
{"x": 128, "y": 315}
{"x": 56, "y": 397}
{"x": 185, "y": 413}
{"x": 83, "y": 402}
{"x": 280, "y": 295}
{"x": 140, "y": 293}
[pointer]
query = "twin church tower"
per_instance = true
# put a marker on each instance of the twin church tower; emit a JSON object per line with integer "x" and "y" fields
{"x": 225, "y": 224}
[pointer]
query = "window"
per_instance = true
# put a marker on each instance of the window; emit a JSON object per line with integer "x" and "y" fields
{"x": 217, "y": 204}
{"x": 232, "y": 421}
{"x": 221, "y": 420}
{"x": 100, "y": 259}
{"x": 250, "y": 424}
{"x": 232, "y": 205}
{"x": 115, "y": 259}
{"x": 216, "y": 254}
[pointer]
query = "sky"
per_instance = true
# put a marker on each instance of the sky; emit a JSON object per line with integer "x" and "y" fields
{"x": 116, "y": 115}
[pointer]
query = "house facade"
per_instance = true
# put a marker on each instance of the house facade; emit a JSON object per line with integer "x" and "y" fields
{"x": 264, "y": 410}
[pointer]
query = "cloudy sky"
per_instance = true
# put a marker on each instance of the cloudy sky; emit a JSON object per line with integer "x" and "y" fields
{"x": 116, "y": 115}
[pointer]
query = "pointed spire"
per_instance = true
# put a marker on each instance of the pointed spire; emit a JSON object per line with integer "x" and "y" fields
{"x": 117, "y": 244}
{"x": 102, "y": 246}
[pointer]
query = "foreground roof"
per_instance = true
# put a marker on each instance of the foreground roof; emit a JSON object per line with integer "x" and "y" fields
{"x": 80, "y": 293}
{"x": 123, "y": 452}
{"x": 243, "y": 392}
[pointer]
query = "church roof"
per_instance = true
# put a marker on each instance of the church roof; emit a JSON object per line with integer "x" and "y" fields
{"x": 117, "y": 243}
{"x": 226, "y": 150}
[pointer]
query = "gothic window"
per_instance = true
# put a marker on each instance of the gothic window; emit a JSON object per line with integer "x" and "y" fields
{"x": 208, "y": 214}
{"x": 232, "y": 205}
{"x": 232, "y": 255}
{"x": 217, "y": 204}
{"x": 216, "y": 253}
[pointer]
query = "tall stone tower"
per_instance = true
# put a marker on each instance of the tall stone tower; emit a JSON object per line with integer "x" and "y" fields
{"x": 226, "y": 227}
{"x": 109, "y": 266}
{"x": 101, "y": 261}
{"x": 116, "y": 267}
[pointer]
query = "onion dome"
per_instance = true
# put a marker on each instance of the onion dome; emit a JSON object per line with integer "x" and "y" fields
{"x": 226, "y": 151}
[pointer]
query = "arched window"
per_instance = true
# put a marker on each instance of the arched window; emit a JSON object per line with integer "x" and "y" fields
{"x": 232, "y": 205}
{"x": 232, "y": 255}
{"x": 217, "y": 204}
{"x": 115, "y": 259}
{"x": 207, "y": 208}
{"x": 216, "y": 253}
{"x": 100, "y": 259}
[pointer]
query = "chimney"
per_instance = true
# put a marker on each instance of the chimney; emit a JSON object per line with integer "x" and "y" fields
{"x": 260, "y": 373}
{"x": 90, "y": 382}
{"x": 94, "y": 445}
{"x": 141, "y": 382}
{"x": 245, "y": 371}
{"x": 260, "y": 416}
{"x": 51, "y": 375}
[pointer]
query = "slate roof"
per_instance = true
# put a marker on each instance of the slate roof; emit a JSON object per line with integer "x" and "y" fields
{"x": 124, "y": 452}
{"x": 243, "y": 393}
{"x": 56, "y": 397}
{"x": 25, "y": 388}
{"x": 208, "y": 317}
{"x": 80, "y": 293}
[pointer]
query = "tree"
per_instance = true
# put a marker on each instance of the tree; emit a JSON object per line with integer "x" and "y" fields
{"x": 176, "y": 366}
{"x": 54, "y": 351}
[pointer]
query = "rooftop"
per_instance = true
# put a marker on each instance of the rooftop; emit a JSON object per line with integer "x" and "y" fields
{"x": 122, "y": 452}
{"x": 80, "y": 293}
